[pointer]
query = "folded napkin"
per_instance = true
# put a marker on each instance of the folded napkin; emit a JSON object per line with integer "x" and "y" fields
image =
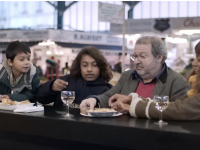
{"x": 29, "y": 109}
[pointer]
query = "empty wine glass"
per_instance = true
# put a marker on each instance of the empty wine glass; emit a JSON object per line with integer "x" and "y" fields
{"x": 67, "y": 97}
{"x": 161, "y": 103}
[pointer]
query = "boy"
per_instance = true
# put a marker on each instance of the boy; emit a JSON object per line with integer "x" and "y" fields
{"x": 19, "y": 78}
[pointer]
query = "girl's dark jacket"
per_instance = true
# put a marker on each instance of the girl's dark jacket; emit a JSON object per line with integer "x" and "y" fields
{"x": 82, "y": 89}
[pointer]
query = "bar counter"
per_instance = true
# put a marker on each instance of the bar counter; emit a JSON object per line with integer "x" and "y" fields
{"x": 48, "y": 130}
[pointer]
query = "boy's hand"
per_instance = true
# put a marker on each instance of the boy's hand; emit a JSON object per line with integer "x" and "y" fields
{"x": 5, "y": 97}
{"x": 59, "y": 85}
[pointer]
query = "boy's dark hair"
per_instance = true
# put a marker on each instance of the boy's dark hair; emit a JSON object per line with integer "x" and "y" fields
{"x": 95, "y": 53}
{"x": 16, "y": 47}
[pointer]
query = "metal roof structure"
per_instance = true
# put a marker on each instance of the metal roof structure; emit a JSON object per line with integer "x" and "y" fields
{"x": 61, "y": 7}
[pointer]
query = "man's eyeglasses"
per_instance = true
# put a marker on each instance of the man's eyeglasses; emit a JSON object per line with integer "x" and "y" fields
{"x": 140, "y": 57}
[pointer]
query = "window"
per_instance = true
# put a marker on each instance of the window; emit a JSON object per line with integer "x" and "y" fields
{"x": 137, "y": 11}
{"x": 163, "y": 9}
{"x": 39, "y": 7}
{"x": 2, "y": 10}
{"x": 173, "y": 11}
{"x": 183, "y": 9}
{"x": 146, "y": 11}
{"x": 24, "y": 7}
{"x": 192, "y": 8}
{"x": 155, "y": 9}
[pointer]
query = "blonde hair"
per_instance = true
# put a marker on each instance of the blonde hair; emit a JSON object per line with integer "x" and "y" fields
{"x": 192, "y": 72}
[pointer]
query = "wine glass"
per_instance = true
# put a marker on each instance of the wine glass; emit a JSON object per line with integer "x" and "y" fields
{"x": 161, "y": 103}
{"x": 67, "y": 97}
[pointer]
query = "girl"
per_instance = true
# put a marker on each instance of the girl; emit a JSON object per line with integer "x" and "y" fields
{"x": 89, "y": 75}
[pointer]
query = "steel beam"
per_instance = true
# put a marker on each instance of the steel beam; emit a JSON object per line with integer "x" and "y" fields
{"x": 61, "y": 7}
{"x": 132, "y": 4}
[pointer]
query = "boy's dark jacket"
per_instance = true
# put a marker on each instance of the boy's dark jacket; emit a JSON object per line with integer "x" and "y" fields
{"x": 81, "y": 87}
{"x": 26, "y": 87}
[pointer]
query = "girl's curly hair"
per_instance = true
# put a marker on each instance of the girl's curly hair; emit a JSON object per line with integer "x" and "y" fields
{"x": 95, "y": 53}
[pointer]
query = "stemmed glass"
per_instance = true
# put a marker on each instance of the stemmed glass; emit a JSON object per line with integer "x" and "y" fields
{"x": 67, "y": 97}
{"x": 161, "y": 103}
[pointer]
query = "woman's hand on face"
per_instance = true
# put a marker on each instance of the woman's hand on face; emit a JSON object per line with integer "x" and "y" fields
{"x": 59, "y": 85}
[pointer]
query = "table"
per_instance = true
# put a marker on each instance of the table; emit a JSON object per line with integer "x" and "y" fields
{"x": 47, "y": 130}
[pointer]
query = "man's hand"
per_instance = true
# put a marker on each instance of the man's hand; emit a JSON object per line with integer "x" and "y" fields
{"x": 59, "y": 85}
{"x": 119, "y": 97}
{"x": 121, "y": 107}
{"x": 87, "y": 104}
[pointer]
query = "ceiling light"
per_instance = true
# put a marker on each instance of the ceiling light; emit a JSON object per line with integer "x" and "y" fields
{"x": 176, "y": 40}
{"x": 48, "y": 42}
{"x": 61, "y": 53}
{"x": 189, "y": 32}
{"x": 121, "y": 35}
{"x": 48, "y": 52}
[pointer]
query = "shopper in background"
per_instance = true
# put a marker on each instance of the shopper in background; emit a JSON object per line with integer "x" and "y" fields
{"x": 66, "y": 69}
{"x": 116, "y": 77}
{"x": 51, "y": 69}
{"x": 118, "y": 67}
{"x": 188, "y": 68}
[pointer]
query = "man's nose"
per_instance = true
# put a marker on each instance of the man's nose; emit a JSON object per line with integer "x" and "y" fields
{"x": 136, "y": 60}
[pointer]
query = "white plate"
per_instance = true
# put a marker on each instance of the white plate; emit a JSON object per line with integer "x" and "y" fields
{"x": 12, "y": 107}
{"x": 101, "y": 114}
{"x": 115, "y": 115}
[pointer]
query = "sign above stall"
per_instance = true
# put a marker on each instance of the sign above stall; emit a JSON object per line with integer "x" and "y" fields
{"x": 159, "y": 26}
{"x": 59, "y": 36}
{"x": 84, "y": 37}
{"x": 111, "y": 13}
{"x": 187, "y": 23}
{"x": 87, "y": 37}
{"x": 23, "y": 35}
{"x": 134, "y": 26}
